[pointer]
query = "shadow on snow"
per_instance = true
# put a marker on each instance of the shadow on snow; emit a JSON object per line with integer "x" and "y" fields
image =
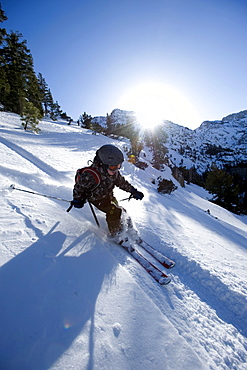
{"x": 46, "y": 301}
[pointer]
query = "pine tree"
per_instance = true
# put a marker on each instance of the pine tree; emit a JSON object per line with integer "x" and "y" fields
{"x": 55, "y": 111}
{"x": 2, "y": 19}
{"x": 130, "y": 130}
{"x": 156, "y": 140}
{"x": 44, "y": 93}
{"x": 221, "y": 185}
{"x": 17, "y": 68}
{"x": 49, "y": 102}
{"x": 4, "y": 86}
{"x": 18, "y": 81}
{"x": 30, "y": 116}
{"x": 64, "y": 115}
{"x": 33, "y": 93}
{"x": 86, "y": 121}
{"x": 96, "y": 127}
{"x": 109, "y": 125}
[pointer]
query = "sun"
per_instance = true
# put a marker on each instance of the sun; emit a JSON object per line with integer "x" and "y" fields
{"x": 154, "y": 102}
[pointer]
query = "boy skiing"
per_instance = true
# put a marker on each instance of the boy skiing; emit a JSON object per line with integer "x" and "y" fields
{"x": 96, "y": 184}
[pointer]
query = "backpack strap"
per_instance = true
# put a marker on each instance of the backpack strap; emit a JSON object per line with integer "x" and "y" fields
{"x": 93, "y": 172}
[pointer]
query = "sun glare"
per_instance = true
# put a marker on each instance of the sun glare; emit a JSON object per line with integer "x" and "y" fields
{"x": 153, "y": 103}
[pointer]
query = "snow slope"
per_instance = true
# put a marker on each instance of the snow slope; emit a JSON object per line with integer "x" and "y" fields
{"x": 70, "y": 299}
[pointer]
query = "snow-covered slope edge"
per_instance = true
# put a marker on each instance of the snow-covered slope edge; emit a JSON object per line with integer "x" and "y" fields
{"x": 69, "y": 299}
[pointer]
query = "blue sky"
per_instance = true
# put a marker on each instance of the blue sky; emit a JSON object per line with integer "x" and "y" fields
{"x": 186, "y": 58}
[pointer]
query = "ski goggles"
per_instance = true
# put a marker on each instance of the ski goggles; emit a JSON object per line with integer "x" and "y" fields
{"x": 114, "y": 168}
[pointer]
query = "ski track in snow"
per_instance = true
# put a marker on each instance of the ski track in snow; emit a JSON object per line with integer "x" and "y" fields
{"x": 50, "y": 171}
{"x": 189, "y": 285}
{"x": 209, "y": 313}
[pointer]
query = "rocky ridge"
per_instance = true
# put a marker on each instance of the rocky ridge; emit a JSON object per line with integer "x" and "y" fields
{"x": 221, "y": 142}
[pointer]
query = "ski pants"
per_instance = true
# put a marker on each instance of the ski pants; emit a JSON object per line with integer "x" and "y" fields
{"x": 113, "y": 213}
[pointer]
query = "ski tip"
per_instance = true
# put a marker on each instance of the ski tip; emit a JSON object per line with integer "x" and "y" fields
{"x": 164, "y": 280}
{"x": 171, "y": 265}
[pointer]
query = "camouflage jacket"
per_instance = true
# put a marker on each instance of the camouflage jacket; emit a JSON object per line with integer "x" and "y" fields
{"x": 86, "y": 187}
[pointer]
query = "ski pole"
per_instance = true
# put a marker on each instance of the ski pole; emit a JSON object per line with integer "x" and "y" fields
{"x": 94, "y": 215}
{"x": 131, "y": 196}
{"x": 43, "y": 195}
{"x": 70, "y": 207}
{"x": 63, "y": 200}
{"x": 91, "y": 207}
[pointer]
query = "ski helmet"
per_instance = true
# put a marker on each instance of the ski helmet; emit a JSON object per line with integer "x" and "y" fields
{"x": 110, "y": 155}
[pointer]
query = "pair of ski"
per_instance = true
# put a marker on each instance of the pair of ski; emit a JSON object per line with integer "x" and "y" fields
{"x": 152, "y": 269}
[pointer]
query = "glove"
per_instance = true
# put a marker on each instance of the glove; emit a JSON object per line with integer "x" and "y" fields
{"x": 78, "y": 203}
{"x": 138, "y": 195}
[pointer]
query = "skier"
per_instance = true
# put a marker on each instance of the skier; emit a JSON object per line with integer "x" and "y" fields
{"x": 96, "y": 184}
